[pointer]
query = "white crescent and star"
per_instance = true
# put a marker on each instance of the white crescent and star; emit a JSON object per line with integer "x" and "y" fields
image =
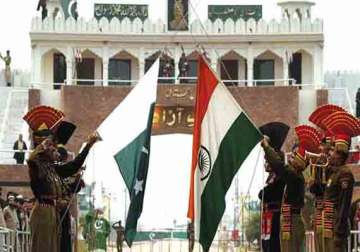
{"x": 145, "y": 150}
{"x": 138, "y": 186}
{"x": 72, "y": 2}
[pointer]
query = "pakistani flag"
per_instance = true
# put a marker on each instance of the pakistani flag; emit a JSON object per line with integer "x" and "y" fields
{"x": 223, "y": 138}
{"x": 126, "y": 133}
{"x": 70, "y": 8}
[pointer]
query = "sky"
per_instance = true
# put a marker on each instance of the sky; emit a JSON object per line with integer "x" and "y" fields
{"x": 341, "y": 18}
{"x": 167, "y": 188}
{"x": 168, "y": 181}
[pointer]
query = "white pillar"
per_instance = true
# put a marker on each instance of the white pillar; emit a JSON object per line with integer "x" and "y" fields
{"x": 33, "y": 64}
{"x": 38, "y": 67}
{"x": 70, "y": 66}
{"x": 318, "y": 71}
{"x": 69, "y": 71}
{"x": 141, "y": 68}
{"x": 214, "y": 62}
{"x": 285, "y": 71}
{"x": 250, "y": 67}
{"x": 141, "y": 59}
{"x": 105, "y": 74}
{"x": 176, "y": 68}
{"x": 250, "y": 72}
{"x": 176, "y": 65}
{"x": 105, "y": 65}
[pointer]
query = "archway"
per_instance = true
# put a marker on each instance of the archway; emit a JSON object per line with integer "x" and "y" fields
{"x": 123, "y": 67}
{"x": 88, "y": 68}
{"x": 233, "y": 68}
{"x": 53, "y": 68}
{"x": 301, "y": 67}
{"x": 268, "y": 66}
{"x": 167, "y": 66}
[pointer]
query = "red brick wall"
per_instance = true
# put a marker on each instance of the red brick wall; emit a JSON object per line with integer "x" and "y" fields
{"x": 15, "y": 174}
{"x": 34, "y": 98}
{"x": 88, "y": 106}
{"x": 267, "y": 104}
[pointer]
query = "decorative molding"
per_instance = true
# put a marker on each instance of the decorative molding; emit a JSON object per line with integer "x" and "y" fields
{"x": 138, "y": 26}
{"x": 220, "y": 39}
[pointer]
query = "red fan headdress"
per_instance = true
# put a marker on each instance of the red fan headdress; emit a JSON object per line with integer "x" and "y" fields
{"x": 43, "y": 121}
{"x": 343, "y": 126}
{"x": 309, "y": 140}
{"x": 319, "y": 115}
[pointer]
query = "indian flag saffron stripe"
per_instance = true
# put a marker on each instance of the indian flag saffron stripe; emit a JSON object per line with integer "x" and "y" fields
{"x": 223, "y": 138}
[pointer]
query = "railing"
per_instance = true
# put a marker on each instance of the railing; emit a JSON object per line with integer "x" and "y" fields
{"x": 309, "y": 241}
{"x": 169, "y": 80}
{"x": 179, "y": 245}
{"x": 353, "y": 241}
{"x": 14, "y": 241}
{"x": 20, "y": 241}
{"x": 26, "y": 152}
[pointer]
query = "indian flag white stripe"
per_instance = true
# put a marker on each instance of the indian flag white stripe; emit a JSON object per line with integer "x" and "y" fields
{"x": 221, "y": 103}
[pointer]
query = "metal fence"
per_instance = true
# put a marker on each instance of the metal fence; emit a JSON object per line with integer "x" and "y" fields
{"x": 164, "y": 80}
{"x": 19, "y": 241}
{"x": 354, "y": 241}
{"x": 9, "y": 160}
{"x": 179, "y": 245}
{"x": 14, "y": 241}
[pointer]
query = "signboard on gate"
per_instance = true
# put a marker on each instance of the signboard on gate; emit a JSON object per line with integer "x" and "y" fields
{"x": 121, "y": 11}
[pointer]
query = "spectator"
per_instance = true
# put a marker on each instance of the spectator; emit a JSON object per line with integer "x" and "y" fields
{"x": 19, "y": 200}
{"x": 7, "y": 61}
{"x": 358, "y": 103}
{"x": 10, "y": 214}
{"x": 355, "y": 156}
{"x": 19, "y": 147}
{"x": 224, "y": 239}
{"x": 120, "y": 235}
{"x": 2, "y": 201}
{"x": 2, "y": 220}
{"x": 184, "y": 68}
{"x": 27, "y": 207}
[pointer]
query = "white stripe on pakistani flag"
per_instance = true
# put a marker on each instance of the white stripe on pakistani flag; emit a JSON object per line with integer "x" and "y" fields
{"x": 130, "y": 117}
{"x": 213, "y": 129}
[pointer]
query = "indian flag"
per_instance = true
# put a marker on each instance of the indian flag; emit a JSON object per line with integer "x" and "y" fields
{"x": 126, "y": 132}
{"x": 223, "y": 137}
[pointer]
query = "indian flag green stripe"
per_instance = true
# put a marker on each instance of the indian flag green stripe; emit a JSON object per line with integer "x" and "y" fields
{"x": 238, "y": 142}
